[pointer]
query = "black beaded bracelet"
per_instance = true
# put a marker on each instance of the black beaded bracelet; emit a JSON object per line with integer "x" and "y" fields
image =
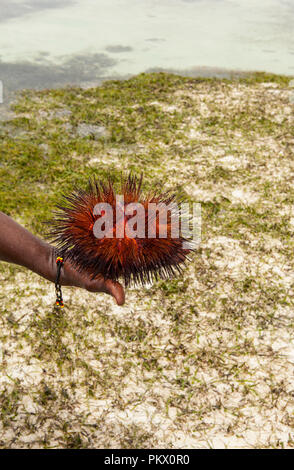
{"x": 59, "y": 299}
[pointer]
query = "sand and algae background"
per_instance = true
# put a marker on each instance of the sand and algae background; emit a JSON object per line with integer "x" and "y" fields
{"x": 202, "y": 361}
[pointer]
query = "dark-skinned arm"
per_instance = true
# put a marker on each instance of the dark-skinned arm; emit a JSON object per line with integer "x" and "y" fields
{"x": 19, "y": 246}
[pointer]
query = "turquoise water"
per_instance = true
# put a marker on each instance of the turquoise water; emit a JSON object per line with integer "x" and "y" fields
{"x": 46, "y": 43}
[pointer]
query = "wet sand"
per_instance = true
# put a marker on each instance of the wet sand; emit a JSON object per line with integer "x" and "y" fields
{"x": 50, "y": 44}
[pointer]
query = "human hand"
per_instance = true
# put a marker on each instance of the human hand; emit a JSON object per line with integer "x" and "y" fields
{"x": 19, "y": 246}
{"x": 70, "y": 276}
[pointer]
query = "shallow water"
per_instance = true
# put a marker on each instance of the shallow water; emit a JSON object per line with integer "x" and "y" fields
{"x": 46, "y": 43}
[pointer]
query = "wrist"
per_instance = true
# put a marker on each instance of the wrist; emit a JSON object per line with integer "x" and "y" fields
{"x": 46, "y": 267}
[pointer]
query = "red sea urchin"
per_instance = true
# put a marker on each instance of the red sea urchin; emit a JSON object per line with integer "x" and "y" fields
{"x": 136, "y": 247}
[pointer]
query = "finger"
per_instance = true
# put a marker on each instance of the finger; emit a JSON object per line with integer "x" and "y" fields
{"x": 116, "y": 290}
{"x": 112, "y": 288}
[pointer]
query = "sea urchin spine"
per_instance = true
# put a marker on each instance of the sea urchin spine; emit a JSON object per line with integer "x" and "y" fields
{"x": 117, "y": 235}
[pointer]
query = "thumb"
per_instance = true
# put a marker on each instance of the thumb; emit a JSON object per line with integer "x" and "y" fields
{"x": 116, "y": 290}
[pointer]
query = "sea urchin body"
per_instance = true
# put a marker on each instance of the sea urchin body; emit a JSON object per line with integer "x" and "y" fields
{"x": 116, "y": 235}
